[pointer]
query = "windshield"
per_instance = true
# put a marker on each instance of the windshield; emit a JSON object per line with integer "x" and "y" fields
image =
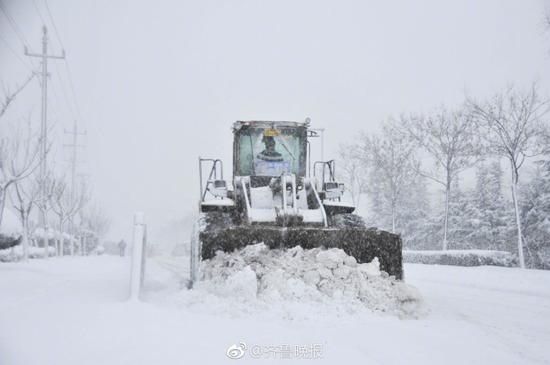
{"x": 269, "y": 152}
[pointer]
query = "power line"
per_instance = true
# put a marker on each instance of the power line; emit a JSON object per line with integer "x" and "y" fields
{"x": 39, "y": 12}
{"x": 14, "y": 25}
{"x": 65, "y": 95}
{"x": 71, "y": 84}
{"x": 72, "y": 106}
{"x": 75, "y": 132}
{"x": 53, "y": 23}
{"x": 53, "y": 102}
{"x": 55, "y": 99}
{"x": 19, "y": 34}
{"x": 69, "y": 73}
{"x": 15, "y": 53}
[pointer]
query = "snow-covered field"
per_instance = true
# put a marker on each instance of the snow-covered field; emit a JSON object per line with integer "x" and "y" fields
{"x": 73, "y": 311}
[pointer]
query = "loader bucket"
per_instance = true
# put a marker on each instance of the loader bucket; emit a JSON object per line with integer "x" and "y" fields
{"x": 362, "y": 243}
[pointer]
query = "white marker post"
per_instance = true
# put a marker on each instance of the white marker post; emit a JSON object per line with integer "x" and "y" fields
{"x": 137, "y": 256}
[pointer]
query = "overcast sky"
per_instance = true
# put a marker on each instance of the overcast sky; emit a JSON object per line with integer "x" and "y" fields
{"x": 160, "y": 83}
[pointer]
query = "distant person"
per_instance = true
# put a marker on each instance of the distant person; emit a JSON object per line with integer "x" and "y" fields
{"x": 122, "y": 248}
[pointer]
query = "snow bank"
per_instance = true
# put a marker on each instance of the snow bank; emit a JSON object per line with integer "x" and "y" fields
{"x": 460, "y": 257}
{"x": 16, "y": 253}
{"x": 49, "y": 233}
{"x": 10, "y": 225}
{"x": 300, "y": 283}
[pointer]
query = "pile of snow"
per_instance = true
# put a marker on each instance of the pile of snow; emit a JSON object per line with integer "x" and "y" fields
{"x": 48, "y": 233}
{"x": 298, "y": 281}
{"x": 16, "y": 253}
{"x": 99, "y": 250}
{"x": 460, "y": 257}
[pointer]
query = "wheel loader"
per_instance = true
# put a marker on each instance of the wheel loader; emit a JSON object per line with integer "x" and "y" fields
{"x": 279, "y": 196}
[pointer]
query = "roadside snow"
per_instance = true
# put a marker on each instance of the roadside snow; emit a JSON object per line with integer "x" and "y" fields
{"x": 16, "y": 253}
{"x": 460, "y": 257}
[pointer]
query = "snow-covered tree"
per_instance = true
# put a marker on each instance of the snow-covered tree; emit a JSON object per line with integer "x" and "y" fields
{"x": 451, "y": 140}
{"x": 513, "y": 124}
{"x": 535, "y": 216}
{"x": 458, "y": 214}
{"x": 352, "y": 171}
{"x": 47, "y": 186}
{"x": 65, "y": 206}
{"x": 414, "y": 216}
{"x": 393, "y": 168}
{"x": 94, "y": 225}
{"x": 481, "y": 216}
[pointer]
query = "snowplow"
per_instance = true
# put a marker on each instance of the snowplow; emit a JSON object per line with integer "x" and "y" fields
{"x": 279, "y": 196}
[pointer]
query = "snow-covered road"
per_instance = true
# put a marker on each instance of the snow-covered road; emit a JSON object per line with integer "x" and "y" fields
{"x": 73, "y": 311}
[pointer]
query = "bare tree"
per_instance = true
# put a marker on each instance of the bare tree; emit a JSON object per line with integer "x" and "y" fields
{"x": 83, "y": 195}
{"x": 47, "y": 188}
{"x": 66, "y": 206}
{"x": 24, "y": 200}
{"x": 98, "y": 222}
{"x": 352, "y": 170}
{"x": 393, "y": 165}
{"x": 513, "y": 121}
{"x": 451, "y": 140}
{"x": 94, "y": 222}
{"x": 19, "y": 157}
{"x": 60, "y": 209}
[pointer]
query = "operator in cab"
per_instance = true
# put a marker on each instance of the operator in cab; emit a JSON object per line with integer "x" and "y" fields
{"x": 269, "y": 153}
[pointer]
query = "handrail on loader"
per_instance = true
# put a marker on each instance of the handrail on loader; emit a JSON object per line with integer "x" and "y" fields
{"x": 330, "y": 165}
{"x": 212, "y": 176}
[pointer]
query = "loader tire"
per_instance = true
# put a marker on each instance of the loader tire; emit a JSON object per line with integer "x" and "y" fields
{"x": 346, "y": 220}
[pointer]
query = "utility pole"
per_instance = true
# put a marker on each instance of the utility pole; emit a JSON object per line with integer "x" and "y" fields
{"x": 322, "y": 131}
{"x": 74, "y": 160}
{"x": 74, "y": 145}
{"x": 316, "y": 130}
{"x": 44, "y": 122}
{"x": 83, "y": 241}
